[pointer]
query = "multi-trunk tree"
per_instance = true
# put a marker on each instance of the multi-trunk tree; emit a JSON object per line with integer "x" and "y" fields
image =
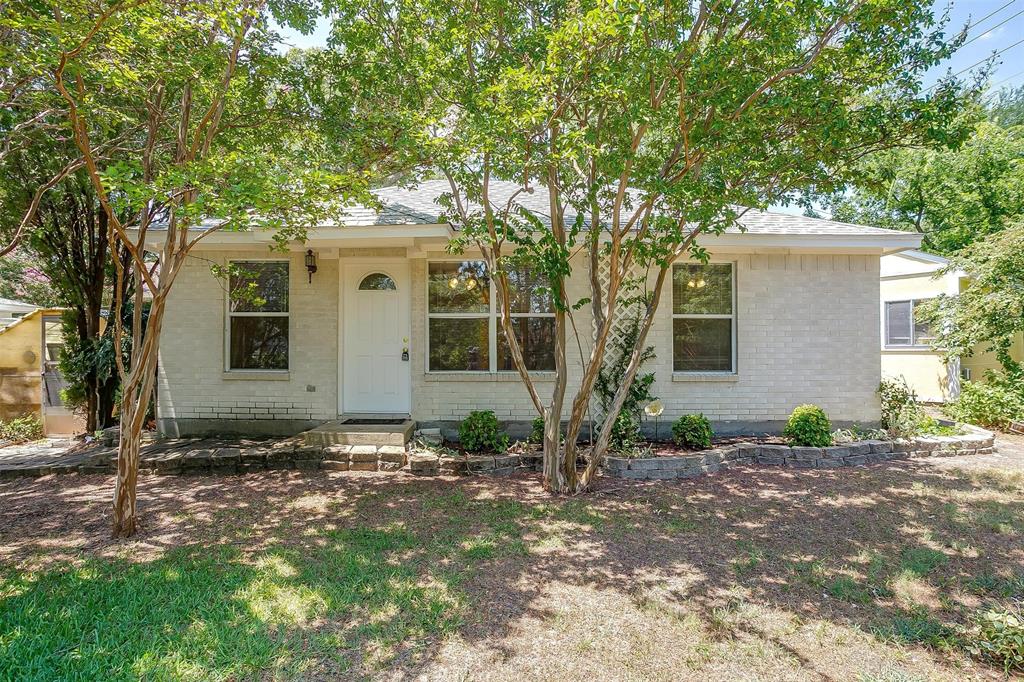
{"x": 644, "y": 126}
{"x": 186, "y": 119}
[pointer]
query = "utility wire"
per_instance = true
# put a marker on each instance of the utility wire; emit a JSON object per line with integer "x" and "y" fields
{"x": 989, "y": 30}
{"x": 990, "y": 14}
{"x": 1010, "y": 77}
{"x": 980, "y": 61}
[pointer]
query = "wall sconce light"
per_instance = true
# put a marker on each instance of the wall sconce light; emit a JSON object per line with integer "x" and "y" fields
{"x": 310, "y": 264}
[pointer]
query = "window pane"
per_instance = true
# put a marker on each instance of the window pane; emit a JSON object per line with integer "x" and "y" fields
{"x": 702, "y": 289}
{"x": 530, "y": 291}
{"x": 259, "y": 343}
{"x": 459, "y": 345}
{"x": 458, "y": 287}
{"x": 536, "y": 339}
{"x": 259, "y": 287}
{"x": 923, "y": 334}
{"x": 702, "y": 345}
{"x": 377, "y": 281}
{"x": 897, "y": 323}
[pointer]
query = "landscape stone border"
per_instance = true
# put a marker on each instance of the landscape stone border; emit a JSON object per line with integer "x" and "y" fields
{"x": 975, "y": 442}
{"x": 204, "y": 458}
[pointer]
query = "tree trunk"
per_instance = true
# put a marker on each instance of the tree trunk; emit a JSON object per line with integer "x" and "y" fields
{"x": 125, "y": 518}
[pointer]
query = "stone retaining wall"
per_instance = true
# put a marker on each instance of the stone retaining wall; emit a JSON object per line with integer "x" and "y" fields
{"x": 853, "y": 454}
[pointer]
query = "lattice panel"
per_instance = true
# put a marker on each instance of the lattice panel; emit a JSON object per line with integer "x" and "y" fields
{"x": 623, "y": 313}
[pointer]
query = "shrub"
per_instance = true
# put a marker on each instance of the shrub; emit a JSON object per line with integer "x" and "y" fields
{"x": 625, "y": 432}
{"x": 902, "y": 416}
{"x": 995, "y": 403}
{"x": 998, "y": 637}
{"x": 480, "y": 431}
{"x": 692, "y": 430}
{"x": 809, "y": 426}
{"x": 537, "y": 430}
{"x": 22, "y": 429}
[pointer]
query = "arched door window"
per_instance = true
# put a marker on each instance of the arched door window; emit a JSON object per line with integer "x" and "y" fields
{"x": 377, "y": 281}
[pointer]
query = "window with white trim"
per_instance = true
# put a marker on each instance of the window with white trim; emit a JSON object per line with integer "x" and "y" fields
{"x": 258, "y": 315}
{"x": 905, "y": 325}
{"x": 463, "y": 327}
{"x": 703, "y": 317}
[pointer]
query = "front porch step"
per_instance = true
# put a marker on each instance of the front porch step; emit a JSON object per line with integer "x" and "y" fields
{"x": 339, "y": 433}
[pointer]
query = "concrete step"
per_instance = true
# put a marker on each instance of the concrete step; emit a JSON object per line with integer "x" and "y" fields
{"x": 344, "y": 432}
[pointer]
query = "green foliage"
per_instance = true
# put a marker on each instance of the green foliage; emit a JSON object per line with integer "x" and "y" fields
{"x": 989, "y": 311}
{"x": 692, "y": 430}
{"x": 997, "y": 636}
{"x": 481, "y": 431}
{"x": 625, "y": 433}
{"x": 809, "y": 426}
{"x": 902, "y": 416}
{"x": 21, "y": 429}
{"x": 993, "y": 403}
{"x": 537, "y": 430}
{"x": 953, "y": 195}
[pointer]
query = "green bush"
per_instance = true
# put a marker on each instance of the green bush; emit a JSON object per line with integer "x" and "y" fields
{"x": 692, "y": 430}
{"x": 537, "y": 430}
{"x": 902, "y": 416}
{"x": 995, "y": 403}
{"x": 809, "y": 426}
{"x": 22, "y": 429}
{"x": 625, "y": 433}
{"x": 480, "y": 431}
{"x": 998, "y": 637}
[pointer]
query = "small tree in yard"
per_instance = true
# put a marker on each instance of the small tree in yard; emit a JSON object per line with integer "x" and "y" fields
{"x": 644, "y": 126}
{"x": 186, "y": 120}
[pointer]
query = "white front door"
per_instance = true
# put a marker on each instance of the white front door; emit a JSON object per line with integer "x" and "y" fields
{"x": 375, "y": 337}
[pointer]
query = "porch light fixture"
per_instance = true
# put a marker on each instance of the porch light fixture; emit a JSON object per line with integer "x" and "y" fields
{"x": 453, "y": 283}
{"x": 310, "y": 264}
{"x": 696, "y": 284}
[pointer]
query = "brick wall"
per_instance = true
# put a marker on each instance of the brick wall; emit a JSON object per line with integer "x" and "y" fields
{"x": 195, "y": 394}
{"x": 807, "y": 329}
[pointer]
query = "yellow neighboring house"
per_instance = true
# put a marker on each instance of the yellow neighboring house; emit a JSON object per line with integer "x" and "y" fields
{"x": 907, "y": 279}
{"x": 30, "y": 382}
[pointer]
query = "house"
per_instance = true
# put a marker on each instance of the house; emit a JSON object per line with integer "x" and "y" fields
{"x": 908, "y": 279}
{"x": 11, "y": 310}
{"x": 391, "y": 324}
{"x": 30, "y": 382}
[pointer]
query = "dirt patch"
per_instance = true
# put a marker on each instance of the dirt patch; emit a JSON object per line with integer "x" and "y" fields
{"x": 755, "y": 573}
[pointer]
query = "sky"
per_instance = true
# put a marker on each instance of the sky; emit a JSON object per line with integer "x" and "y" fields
{"x": 995, "y": 26}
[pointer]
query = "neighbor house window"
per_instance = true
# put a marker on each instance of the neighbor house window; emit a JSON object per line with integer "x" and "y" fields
{"x": 258, "y": 315}
{"x": 703, "y": 318}
{"x": 464, "y": 331}
{"x": 905, "y": 324}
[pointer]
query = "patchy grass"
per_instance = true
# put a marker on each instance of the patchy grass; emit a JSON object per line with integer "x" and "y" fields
{"x": 870, "y": 574}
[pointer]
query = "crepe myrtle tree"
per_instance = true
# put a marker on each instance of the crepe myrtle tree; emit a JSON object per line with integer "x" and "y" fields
{"x": 648, "y": 124}
{"x": 187, "y": 120}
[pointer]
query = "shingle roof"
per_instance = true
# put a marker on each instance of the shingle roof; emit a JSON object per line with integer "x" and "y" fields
{"x": 417, "y": 205}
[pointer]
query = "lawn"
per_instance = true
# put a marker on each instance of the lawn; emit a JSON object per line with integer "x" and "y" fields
{"x": 757, "y": 573}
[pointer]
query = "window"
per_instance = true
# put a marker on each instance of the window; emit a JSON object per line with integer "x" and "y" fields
{"x": 377, "y": 281}
{"x": 258, "y": 315}
{"x": 464, "y": 333}
{"x": 905, "y": 324}
{"x": 703, "y": 318}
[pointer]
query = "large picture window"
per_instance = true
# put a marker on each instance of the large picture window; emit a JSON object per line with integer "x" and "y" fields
{"x": 905, "y": 324}
{"x": 703, "y": 318}
{"x": 464, "y": 332}
{"x": 258, "y": 315}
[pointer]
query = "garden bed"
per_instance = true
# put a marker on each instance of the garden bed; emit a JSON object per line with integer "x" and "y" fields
{"x": 689, "y": 464}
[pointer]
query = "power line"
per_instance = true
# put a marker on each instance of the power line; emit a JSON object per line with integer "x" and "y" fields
{"x": 1010, "y": 77}
{"x": 980, "y": 61}
{"x": 990, "y": 14}
{"x": 989, "y": 30}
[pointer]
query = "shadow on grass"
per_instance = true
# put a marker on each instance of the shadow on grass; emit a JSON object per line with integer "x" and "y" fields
{"x": 284, "y": 575}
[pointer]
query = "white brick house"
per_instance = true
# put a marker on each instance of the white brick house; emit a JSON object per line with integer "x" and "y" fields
{"x": 389, "y": 323}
